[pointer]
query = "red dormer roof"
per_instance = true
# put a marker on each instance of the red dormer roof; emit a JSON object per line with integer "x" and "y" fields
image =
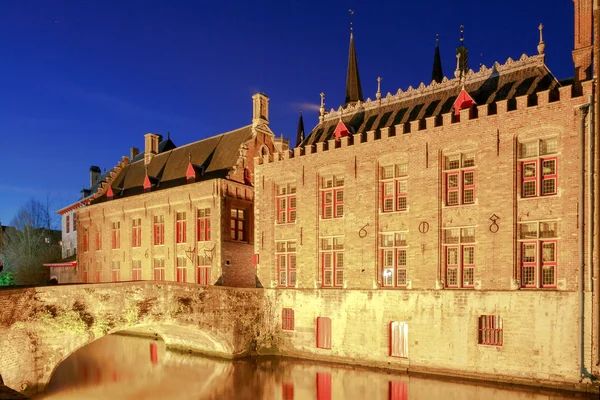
{"x": 340, "y": 131}
{"x": 464, "y": 100}
{"x": 190, "y": 174}
{"x": 147, "y": 184}
{"x": 109, "y": 192}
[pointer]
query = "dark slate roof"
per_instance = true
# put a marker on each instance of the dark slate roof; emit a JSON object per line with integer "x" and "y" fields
{"x": 353, "y": 87}
{"x": 502, "y": 82}
{"x": 215, "y": 155}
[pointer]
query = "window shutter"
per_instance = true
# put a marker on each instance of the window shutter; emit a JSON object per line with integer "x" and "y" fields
{"x": 323, "y": 386}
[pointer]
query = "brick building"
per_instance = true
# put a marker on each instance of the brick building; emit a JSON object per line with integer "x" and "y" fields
{"x": 448, "y": 227}
{"x": 178, "y": 213}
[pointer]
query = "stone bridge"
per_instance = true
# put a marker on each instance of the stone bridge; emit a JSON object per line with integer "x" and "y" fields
{"x": 41, "y": 326}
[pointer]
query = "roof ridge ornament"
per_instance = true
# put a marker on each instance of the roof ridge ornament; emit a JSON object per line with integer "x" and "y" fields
{"x": 541, "y": 47}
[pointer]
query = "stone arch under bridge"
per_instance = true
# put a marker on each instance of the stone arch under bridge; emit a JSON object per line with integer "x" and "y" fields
{"x": 40, "y": 327}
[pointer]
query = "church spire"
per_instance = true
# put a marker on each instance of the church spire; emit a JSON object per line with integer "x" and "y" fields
{"x": 437, "y": 74}
{"x": 462, "y": 56}
{"x": 353, "y": 88}
{"x": 300, "y": 134}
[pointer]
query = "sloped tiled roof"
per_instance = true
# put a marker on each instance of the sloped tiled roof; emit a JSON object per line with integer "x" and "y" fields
{"x": 526, "y": 76}
{"x": 216, "y": 155}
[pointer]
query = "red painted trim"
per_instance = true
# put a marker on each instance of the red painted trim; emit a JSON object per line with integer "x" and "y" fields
{"x": 190, "y": 174}
{"x": 109, "y": 193}
{"x": 147, "y": 184}
{"x": 464, "y": 100}
{"x": 340, "y": 131}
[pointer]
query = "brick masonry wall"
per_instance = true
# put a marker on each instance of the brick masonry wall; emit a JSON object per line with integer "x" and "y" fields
{"x": 540, "y": 345}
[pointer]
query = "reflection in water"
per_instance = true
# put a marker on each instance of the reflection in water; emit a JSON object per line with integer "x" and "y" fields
{"x": 127, "y": 367}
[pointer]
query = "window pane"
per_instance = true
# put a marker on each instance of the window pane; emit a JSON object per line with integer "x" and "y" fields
{"x": 529, "y": 170}
{"x": 386, "y": 239}
{"x": 452, "y": 256}
{"x": 388, "y": 258}
{"x": 548, "y": 229}
{"x": 548, "y": 275}
{"x": 469, "y": 196}
{"x": 528, "y": 252}
{"x": 328, "y": 197}
{"x": 401, "y": 277}
{"x": 280, "y": 247}
{"x": 453, "y": 198}
{"x": 293, "y": 202}
{"x": 401, "y": 258}
{"x": 529, "y": 188}
{"x": 387, "y": 172}
{"x": 549, "y": 252}
{"x": 339, "y": 278}
{"x": 327, "y": 260}
{"x": 468, "y": 274}
{"x": 528, "y": 230}
{"x": 402, "y": 170}
{"x": 338, "y": 243}
{"x": 388, "y": 205}
{"x": 388, "y": 277}
{"x": 549, "y": 186}
{"x": 452, "y": 181}
{"x": 453, "y": 161}
{"x": 339, "y": 262}
{"x": 327, "y": 278}
{"x": 468, "y": 160}
{"x": 292, "y": 261}
{"x": 339, "y": 181}
{"x": 548, "y": 146}
{"x": 327, "y": 244}
{"x": 327, "y": 182}
{"x": 403, "y": 186}
{"x": 292, "y": 278}
{"x": 402, "y": 203}
{"x": 339, "y": 196}
{"x": 529, "y": 149}
{"x": 388, "y": 189}
{"x": 469, "y": 255}
{"x": 528, "y": 276}
{"x": 469, "y": 178}
{"x": 467, "y": 235}
{"x": 548, "y": 167}
{"x": 452, "y": 275}
{"x": 451, "y": 236}
{"x": 400, "y": 239}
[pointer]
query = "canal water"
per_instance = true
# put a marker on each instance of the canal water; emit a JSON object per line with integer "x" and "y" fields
{"x": 125, "y": 367}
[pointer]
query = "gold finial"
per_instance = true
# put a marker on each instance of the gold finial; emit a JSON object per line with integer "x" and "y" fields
{"x": 378, "y": 94}
{"x": 541, "y": 45}
{"x": 462, "y": 33}
{"x": 351, "y": 12}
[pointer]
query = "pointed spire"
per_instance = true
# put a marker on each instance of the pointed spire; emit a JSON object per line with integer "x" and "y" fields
{"x": 353, "y": 87}
{"x": 300, "y": 134}
{"x": 437, "y": 74}
{"x": 462, "y": 56}
{"x": 541, "y": 45}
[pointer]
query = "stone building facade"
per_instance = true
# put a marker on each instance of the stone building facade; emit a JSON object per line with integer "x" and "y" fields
{"x": 447, "y": 228}
{"x": 178, "y": 213}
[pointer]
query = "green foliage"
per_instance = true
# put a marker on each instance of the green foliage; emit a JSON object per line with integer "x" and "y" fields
{"x": 7, "y": 279}
{"x": 65, "y": 321}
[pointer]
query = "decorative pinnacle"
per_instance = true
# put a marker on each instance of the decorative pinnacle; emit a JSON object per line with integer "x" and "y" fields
{"x": 541, "y": 46}
{"x": 437, "y": 39}
{"x": 322, "y": 108}
{"x": 378, "y": 94}
{"x": 351, "y": 14}
{"x": 457, "y": 70}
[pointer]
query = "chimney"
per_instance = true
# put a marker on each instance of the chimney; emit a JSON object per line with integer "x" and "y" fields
{"x": 151, "y": 149}
{"x": 94, "y": 175}
{"x": 260, "y": 109}
{"x": 133, "y": 152}
{"x": 583, "y": 49}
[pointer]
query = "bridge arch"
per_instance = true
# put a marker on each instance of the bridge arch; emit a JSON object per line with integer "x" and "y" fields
{"x": 53, "y": 322}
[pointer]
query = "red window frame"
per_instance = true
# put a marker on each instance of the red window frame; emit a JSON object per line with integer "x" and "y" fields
{"x": 398, "y": 390}
{"x": 490, "y": 330}
{"x": 453, "y": 266}
{"x": 203, "y": 276}
{"x": 335, "y": 191}
{"x": 286, "y": 263}
{"x": 98, "y": 240}
{"x": 287, "y": 319}
{"x": 466, "y": 187}
{"x": 553, "y": 264}
{"x": 529, "y": 264}
{"x": 238, "y": 231}
{"x": 399, "y": 261}
{"x": 203, "y": 225}
{"x": 287, "y": 391}
{"x": 323, "y": 332}
{"x": 334, "y": 268}
{"x": 116, "y": 272}
{"x": 116, "y": 235}
{"x": 181, "y": 269}
{"x": 398, "y": 339}
{"x": 453, "y": 189}
{"x": 386, "y": 196}
{"x": 159, "y": 230}
{"x": 286, "y": 214}
{"x": 85, "y": 240}
{"x": 323, "y": 386}
{"x": 136, "y": 232}
{"x": 458, "y": 246}
{"x": 525, "y": 179}
{"x": 547, "y": 177}
{"x": 181, "y": 227}
{"x": 159, "y": 270}
{"x": 467, "y": 266}
{"x": 136, "y": 274}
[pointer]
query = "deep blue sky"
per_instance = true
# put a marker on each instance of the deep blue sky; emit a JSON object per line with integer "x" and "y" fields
{"x": 83, "y": 81}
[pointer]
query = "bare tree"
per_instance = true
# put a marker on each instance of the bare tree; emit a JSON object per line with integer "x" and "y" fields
{"x": 31, "y": 244}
